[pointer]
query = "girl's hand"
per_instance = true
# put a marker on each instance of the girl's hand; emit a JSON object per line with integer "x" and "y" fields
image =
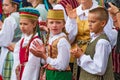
{"x": 11, "y": 47}
{"x": 38, "y": 50}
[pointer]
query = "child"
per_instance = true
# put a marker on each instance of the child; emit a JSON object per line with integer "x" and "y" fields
{"x": 58, "y": 49}
{"x": 96, "y": 61}
{"x": 26, "y": 65}
{"x": 10, "y": 33}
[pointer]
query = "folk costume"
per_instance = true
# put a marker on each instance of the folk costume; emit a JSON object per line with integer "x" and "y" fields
{"x": 26, "y": 65}
{"x": 58, "y": 51}
{"x": 98, "y": 46}
{"x": 79, "y": 31}
{"x": 10, "y": 33}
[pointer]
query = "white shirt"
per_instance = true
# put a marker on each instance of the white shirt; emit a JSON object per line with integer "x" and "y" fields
{"x": 31, "y": 70}
{"x": 98, "y": 64}
{"x": 63, "y": 58}
{"x": 8, "y": 28}
{"x": 6, "y": 36}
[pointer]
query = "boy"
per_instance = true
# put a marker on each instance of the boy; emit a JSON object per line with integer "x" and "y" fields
{"x": 96, "y": 60}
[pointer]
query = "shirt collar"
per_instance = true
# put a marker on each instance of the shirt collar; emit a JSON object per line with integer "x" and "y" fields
{"x": 93, "y": 35}
{"x": 54, "y": 37}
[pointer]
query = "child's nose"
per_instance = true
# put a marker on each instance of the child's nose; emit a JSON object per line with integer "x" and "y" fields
{"x": 54, "y": 24}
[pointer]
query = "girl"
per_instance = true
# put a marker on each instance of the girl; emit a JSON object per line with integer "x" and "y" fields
{"x": 26, "y": 65}
{"x": 57, "y": 53}
{"x": 9, "y": 33}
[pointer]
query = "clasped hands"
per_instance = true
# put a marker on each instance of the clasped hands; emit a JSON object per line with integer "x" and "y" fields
{"x": 77, "y": 52}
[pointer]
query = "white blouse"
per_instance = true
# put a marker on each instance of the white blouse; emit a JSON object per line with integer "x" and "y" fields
{"x": 63, "y": 58}
{"x": 33, "y": 64}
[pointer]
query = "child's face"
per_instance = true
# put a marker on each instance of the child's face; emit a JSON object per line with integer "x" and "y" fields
{"x": 27, "y": 26}
{"x": 95, "y": 25}
{"x": 55, "y": 26}
{"x": 7, "y": 7}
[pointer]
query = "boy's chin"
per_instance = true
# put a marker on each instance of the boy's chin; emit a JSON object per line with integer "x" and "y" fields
{"x": 91, "y": 31}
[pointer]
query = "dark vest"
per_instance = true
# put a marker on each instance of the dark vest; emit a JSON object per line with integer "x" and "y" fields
{"x": 91, "y": 51}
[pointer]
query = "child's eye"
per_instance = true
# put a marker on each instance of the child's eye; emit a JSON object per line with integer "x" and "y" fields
{"x": 58, "y": 22}
{"x": 51, "y": 22}
{"x": 23, "y": 24}
{"x": 20, "y": 23}
{"x": 92, "y": 21}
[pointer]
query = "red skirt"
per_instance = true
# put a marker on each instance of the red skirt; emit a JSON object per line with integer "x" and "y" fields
{"x": 1, "y": 77}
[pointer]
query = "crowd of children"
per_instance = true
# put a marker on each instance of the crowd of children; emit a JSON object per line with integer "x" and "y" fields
{"x": 59, "y": 40}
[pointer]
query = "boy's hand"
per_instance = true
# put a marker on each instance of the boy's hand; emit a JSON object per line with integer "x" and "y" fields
{"x": 77, "y": 52}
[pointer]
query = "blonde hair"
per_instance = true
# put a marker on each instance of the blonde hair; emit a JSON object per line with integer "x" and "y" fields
{"x": 101, "y": 12}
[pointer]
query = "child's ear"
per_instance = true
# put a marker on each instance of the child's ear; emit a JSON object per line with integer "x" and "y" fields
{"x": 35, "y": 23}
{"x": 103, "y": 23}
